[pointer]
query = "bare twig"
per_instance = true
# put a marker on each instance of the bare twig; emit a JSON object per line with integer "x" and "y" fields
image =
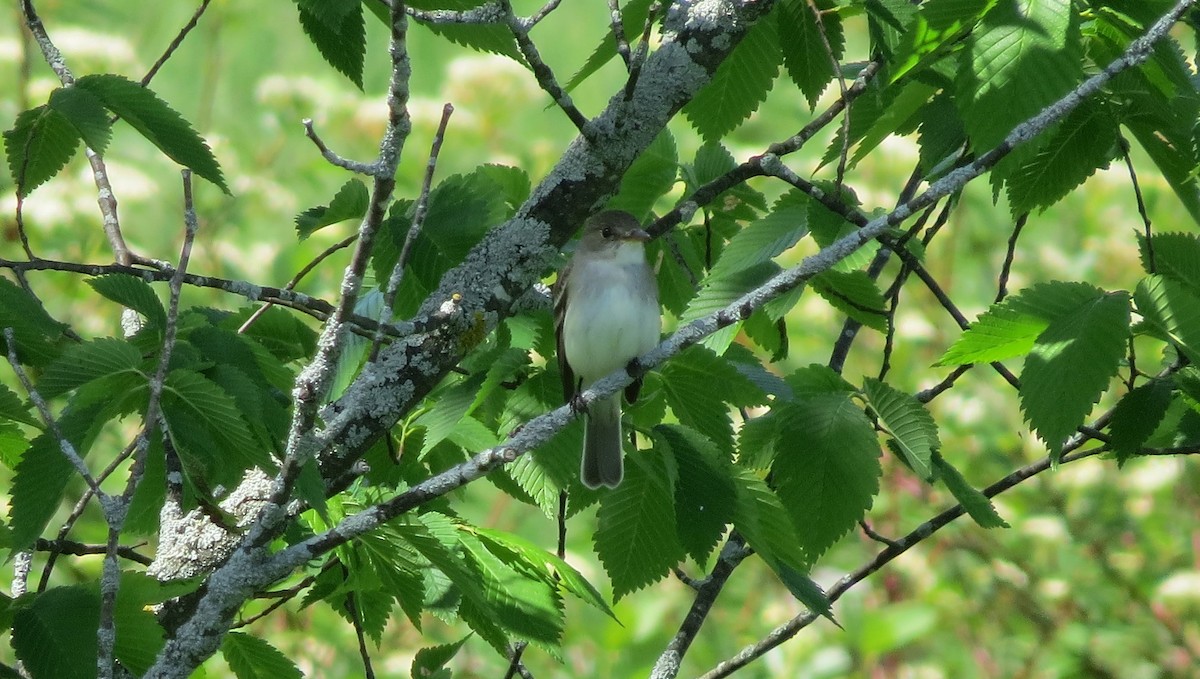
{"x": 175, "y": 43}
{"x": 1141, "y": 204}
{"x": 304, "y": 271}
{"x": 1010, "y": 254}
{"x": 368, "y": 169}
{"x": 618, "y": 31}
{"x": 541, "y": 71}
{"x": 414, "y": 229}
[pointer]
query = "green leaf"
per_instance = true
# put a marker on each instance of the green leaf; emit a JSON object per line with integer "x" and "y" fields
{"x": 286, "y": 337}
{"x": 43, "y": 472}
{"x": 350, "y": 202}
{"x": 1082, "y": 143}
{"x": 740, "y": 83}
{"x": 86, "y": 113}
{"x": 977, "y": 505}
{"x": 132, "y": 292}
{"x": 911, "y": 426}
{"x": 651, "y": 176}
{"x": 1136, "y": 416}
{"x": 251, "y": 657}
{"x": 704, "y": 494}
{"x": 938, "y": 29}
{"x": 461, "y": 210}
{"x": 83, "y": 363}
{"x": 828, "y": 226}
{"x": 432, "y": 659}
{"x": 549, "y": 567}
{"x": 1171, "y": 311}
{"x": 1071, "y": 364}
{"x": 494, "y": 38}
{"x": 37, "y": 335}
{"x": 524, "y": 604}
{"x": 1023, "y": 56}
{"x": 688, "y": 382}
{"x": 1010, "y": 328}
{"x": 767, "y": 237}
{"x": 808, "y": 60}
{"x": 718, "y": 292}
{"x": 206, "y": 424}
{"x": 855, "y": 294}
{"x": 805, "y": 590}
{"x": 40, "y": 143}
{"x": 336, "y": 28}
{"x": 761, "y": 518}
{"x": 633, "y": 18}
{"x": 54, "y": 632}
{"x": 828, "y": 475}
{"x": 636, "y": 527}
{"x": 13, "y": 408}
{"x": 1175, "y": 256}
{"x": 155, "y": 121}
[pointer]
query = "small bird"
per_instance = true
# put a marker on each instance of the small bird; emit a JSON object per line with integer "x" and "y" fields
{"x": 605, "y": 315}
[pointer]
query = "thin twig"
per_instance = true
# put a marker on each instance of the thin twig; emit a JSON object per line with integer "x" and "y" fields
{"x": 304, "y": 271}
{"x": 541, "y": 71}
{"x": 368, "y": 169}
{"x": 638, "y": 58}
{"x": 618, "y": 31}
{"x": 183, "y": 33}
{"x": 1141, "y": 204}
{"x": 67, "y": 448}
{"x": 1010, "y": 254}
{"x": 841, "y": 81}
{"x": 414, "y": 229}
{"x": 80, "y": 549}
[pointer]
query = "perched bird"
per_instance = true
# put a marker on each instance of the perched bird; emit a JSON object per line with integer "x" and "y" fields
{"x": 605, "y": 315}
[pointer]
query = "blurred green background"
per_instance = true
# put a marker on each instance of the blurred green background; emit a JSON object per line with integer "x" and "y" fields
{"x": 1098, "y": 575}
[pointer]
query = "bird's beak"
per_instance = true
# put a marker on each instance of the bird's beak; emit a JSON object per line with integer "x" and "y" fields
{"x": 638, "y": 235}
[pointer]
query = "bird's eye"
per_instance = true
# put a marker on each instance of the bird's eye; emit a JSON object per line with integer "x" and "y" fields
{"x": 607, "y": 232}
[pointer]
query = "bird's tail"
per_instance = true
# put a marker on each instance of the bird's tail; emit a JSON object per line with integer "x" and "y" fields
{"x": 602, "y": 461}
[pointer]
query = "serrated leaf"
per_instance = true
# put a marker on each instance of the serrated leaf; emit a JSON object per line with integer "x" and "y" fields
{"x": 718, "y": 292}
{"x": 40, "y": 143}
{"x": 432, "y": 659}
{"x": 1000, "y": 333}
{"x": 461, "y": 210}
{"x": 336, "y": 28}
{"x": 855, "y": 294}
{"x": 761, "y": 518}
{"x": 765, "y": 238}
{"x": 828, "y": 475}
{"x": 827, "y": 226}
{"x": 526, "y": 605}
{"x": 37, "y": 488}
{"x": 909, "y": 423}
{"x": 1009, "y": 328}
{"x": 1171, "y": 311}
{"x": 83, "y": 363}
{"x": 633, "y": 18}
{"x": 213, "y": 422}
{"x": 704, "y": 495}
{"x": 132, "y": 292}
{"x": 636, "y": 526}
{"x": 1174, "y": 255}
{"x": 651, "y": 176}
{"x": 13, "y": 408}
{"x": 251, "y": 657}
{"x": 86, "y": 114}
{"x": 493, "y": 38}
{"x": 157, "y": 122}
{"x": 1081, "y": 144}
{"x": 551, "y": 568}
{"x": 740, "y": 83}
{"x": 350, "y": 202}
{"x": 939, "y": 28}
{"x": 688, "y": 382}
{"x": 52, "y": 631}
{"x": 805, "y": 590}
{"x": 37, "y": 335}
{"x": 1023, "y": 56}
{"x": 976, "y": 504}
{"x": 1071, "y": 364}
{"x": 1136, "y": 416}
{"x": 286, "y": 337}
{"x": 808, "y": 60}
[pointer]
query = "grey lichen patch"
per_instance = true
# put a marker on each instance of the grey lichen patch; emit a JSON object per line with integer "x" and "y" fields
{"x": 192, "y": 544}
